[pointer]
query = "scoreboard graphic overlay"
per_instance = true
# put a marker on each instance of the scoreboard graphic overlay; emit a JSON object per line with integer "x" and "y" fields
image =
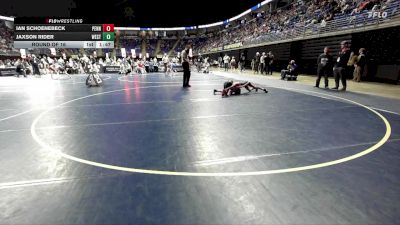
{"x": 62, "y": 33}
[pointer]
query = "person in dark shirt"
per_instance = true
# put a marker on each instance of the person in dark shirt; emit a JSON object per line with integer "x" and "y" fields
{"x": 185, "y": 65}
{"x": 199, "y": 62}
{"x": 360, "y": 65}
{"x": 325, "y": 65}
{"x": 34, "y": 61}
{"x": 270, "y": 63}
{"x": 339, "y": 70}
{"x": 256, "y": 62}
{"x": 242, "y": 61}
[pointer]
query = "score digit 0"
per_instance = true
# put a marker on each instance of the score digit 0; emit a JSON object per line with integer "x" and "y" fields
{"x": 108, "y": 36}
{"x": 108, "y": 27}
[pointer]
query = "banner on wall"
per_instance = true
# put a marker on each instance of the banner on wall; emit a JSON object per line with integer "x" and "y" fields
{"x": 123, "y": 52}
{"x": 111, "y": 69}
{"x": 216, "y": 49}
{"x": 23, "y": 53}
{"x": 235, "y": 45}
{"x": 53, "y": 51}
{"x": 190, "y": 53}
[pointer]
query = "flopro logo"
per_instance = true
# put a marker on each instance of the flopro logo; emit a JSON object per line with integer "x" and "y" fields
{"x": 377, "y": 15}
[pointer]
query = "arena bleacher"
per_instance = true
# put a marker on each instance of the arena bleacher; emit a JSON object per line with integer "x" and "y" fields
{"x": 264, "y": 26}
{"x": 6, "y": 39}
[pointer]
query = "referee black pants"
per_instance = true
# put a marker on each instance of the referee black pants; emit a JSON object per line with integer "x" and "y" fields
{"x": 186, "y": 74}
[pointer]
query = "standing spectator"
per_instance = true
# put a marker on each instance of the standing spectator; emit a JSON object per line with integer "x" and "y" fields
{"x": 165, "y": 61}
{"x": 270, "y": 63}
{"x": 35, "y": 65}
{"x": 155, "y": 63}
{"x": 151, "y": 64}
{"x": 325, "y": 66}
{"x": 185, "y": 66}
{"x": 266, "y": 67}
{"x": 261, "y": 67}
{"x": 199, "y": 62}
{"x": 220, "y": 61}
{"x": 242, "y": 61}
{"x": 256, "y": 62}
{"x": 233, "y": 63}
{"x": 352, "y": 62}
{"x": 146, "y": 64}
{"x": 360, "y": 65}
{"x": 341, "y": 63}
{"x": 28, "y": 66}
{"x": 226, "y": 62}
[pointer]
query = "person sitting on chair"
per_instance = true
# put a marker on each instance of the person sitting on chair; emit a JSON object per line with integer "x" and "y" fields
{"x": 141, "y": 67}
{"x": 233, "y": 88}
{"x": 206, "y": 66}
{"x": 291, "y": 72}
{"x": 21, "y": 69}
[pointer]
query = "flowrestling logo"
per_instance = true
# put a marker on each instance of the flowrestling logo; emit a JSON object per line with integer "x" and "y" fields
{"x": 379, "y": 15}
{"x": 48, "y": 20}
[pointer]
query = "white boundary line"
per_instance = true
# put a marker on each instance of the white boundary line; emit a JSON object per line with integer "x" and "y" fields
{"x": 18, "y": 114}
{"x": 213, "y": 174}
{"x": 387, "y": 111}
{"x": 49, "y": 181}
{"x": 166, "y": 119}
{"x": 242, "y": 158}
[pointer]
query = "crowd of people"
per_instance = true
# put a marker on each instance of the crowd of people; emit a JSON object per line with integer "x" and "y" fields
{"x": 340, "y": 68}
{"x": 301, "y": 13}
{"x": 346, "y": 63}
{"x": 41, "y": 65}
{"x": 166, "y": 45}
{"x": 260, "y": 63}
{"x": 142, "y": 66}
{"x": 6, "y": 39}
{"x": 286, "y": 19}
{"x": 263, "y": 63}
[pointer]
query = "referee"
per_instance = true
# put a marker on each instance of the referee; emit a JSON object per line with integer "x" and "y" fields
{"x": 185, "y": 66}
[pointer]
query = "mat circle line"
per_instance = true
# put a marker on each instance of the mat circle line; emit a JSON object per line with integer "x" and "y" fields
{"x": 212, "y": 174}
